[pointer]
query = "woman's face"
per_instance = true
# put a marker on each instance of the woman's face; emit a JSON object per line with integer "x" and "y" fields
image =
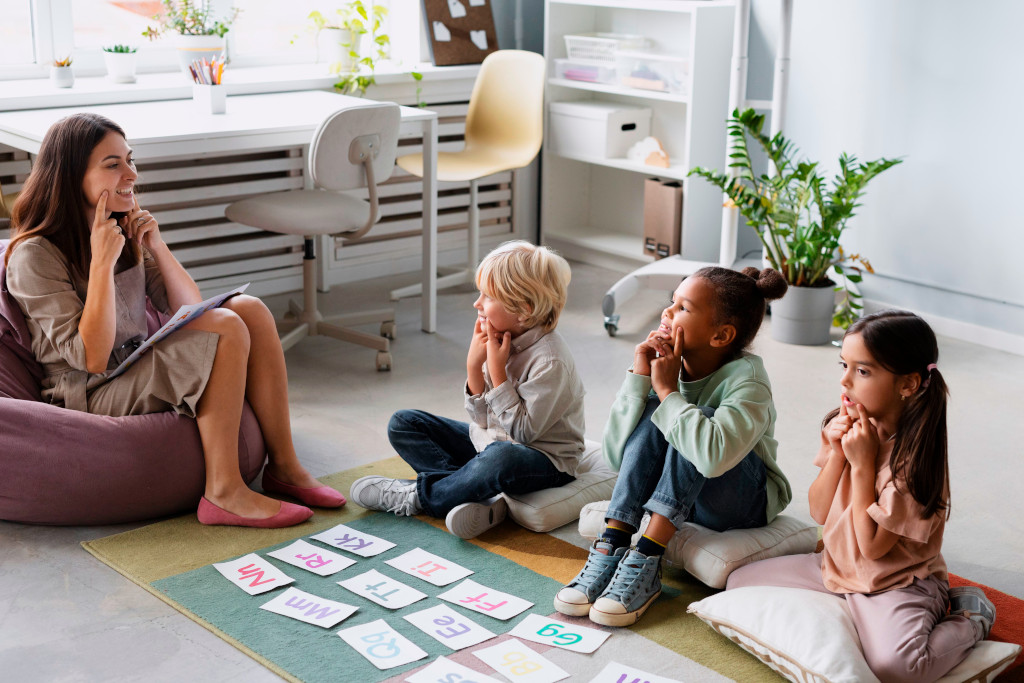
{"x": 111, "y": 170}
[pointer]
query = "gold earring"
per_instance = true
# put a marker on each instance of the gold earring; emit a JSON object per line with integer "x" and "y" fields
{"x": 903, "y": 397}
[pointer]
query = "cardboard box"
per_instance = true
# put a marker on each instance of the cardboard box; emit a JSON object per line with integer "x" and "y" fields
{"x": 596, "y": 129}
{"x": 663, "y": 214}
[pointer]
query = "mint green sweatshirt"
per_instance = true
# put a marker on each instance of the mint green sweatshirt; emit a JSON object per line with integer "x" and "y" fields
{"x": 744, "y": 421}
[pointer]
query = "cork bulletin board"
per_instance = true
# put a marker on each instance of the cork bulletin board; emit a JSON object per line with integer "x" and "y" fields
{"x": 461, "y": 31}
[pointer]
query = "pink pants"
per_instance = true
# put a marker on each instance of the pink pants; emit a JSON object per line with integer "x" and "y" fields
{"x": 905, "y": 633}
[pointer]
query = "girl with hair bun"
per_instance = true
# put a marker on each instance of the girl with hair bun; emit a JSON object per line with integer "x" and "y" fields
{"x": 692, "y": 435}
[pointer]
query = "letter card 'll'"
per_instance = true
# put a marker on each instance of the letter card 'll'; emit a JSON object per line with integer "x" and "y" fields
{"x": 309, "y": 608}
{"x": 429, "y": 567}
{"x": 472, "y": 595}
{"x": 547, "y": 631}
{"x": 354, "y": 541}
{"x": 448, "y": 627}
{"x": 382, "y": 590}
{"x": 381, "y": 644}
{"x": 253, "y": 574}
{"x": 312, "y": 558}
{"x": 617, "y": 673}
{"x": 448, "y": 671}
{"x": 514, "y": 660}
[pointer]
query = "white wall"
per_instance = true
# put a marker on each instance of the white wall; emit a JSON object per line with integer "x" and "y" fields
{"x": 938, "y": 83}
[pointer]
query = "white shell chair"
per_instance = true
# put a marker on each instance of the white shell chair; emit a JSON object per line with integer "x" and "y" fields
{"x": 352, "y": 148}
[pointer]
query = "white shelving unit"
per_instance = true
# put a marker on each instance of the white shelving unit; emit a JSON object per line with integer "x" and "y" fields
{"x": 592, "y": 207}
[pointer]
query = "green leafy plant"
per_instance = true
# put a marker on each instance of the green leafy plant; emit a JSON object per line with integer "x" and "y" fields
{"x": 121, "y": 49}
{"x": 62, "y": 61}
{"x": 361, "y": 19}
{"x": 418, "y": 77}
{"x": 798, "y": 217}
{"x": 189, "y": 18}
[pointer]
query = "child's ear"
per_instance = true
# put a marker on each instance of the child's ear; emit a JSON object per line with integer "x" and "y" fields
{"x": 724, "y": 336}
{"x": 908, "y": 384}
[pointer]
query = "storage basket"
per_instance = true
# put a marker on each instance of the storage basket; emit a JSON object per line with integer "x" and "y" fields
{"x": 601, "y": 46}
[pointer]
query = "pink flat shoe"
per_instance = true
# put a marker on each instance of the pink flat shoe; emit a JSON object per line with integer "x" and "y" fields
{"x": 290, "y": 514}
{"x": 318, "y": 496}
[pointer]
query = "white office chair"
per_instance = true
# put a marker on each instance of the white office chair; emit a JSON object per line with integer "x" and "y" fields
{"x": 352, "y": 148}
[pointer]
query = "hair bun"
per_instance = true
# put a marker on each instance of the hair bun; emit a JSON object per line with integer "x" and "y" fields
{"x": 769, "y": 282}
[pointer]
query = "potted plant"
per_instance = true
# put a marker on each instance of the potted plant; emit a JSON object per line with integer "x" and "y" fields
{"x": 198, "y": 33}
{"x": 120, "y": 60}
{"x": 61, "y": 75}
{"x": 352, "y": 22}
{"x": 800, "y": 219}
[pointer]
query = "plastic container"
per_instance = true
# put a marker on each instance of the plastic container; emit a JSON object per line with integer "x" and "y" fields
{"x": 601, "y": 46}
{"x": 596, "y": 129}
{"x": 651, "y": 71}
{"x": 590, "y": 71}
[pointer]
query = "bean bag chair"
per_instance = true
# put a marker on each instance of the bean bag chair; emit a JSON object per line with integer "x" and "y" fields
{"x": 60, "y": 466}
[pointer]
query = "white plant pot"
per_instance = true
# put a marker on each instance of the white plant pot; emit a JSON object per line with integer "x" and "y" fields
{"x": 120, "y": 66}
{"x": 192, "y": 48}
{"x": 804, "y": 315}
{"x": 62, "y": 76}
{"x": 334, "y": 47}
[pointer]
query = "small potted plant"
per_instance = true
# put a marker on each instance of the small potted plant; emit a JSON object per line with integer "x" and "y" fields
{"x": 198, "y": 34}
{"x": 61, "y": 75}
{"x": 340, "y": 37}
{"x": 800, "y": 220}
{"x": 120, "y": 60}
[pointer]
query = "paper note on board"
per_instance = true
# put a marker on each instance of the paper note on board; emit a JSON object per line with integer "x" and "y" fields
{"x": 441, "y": 32}
{"x": 457, "y": 9}
{"x": 479, "y": 39}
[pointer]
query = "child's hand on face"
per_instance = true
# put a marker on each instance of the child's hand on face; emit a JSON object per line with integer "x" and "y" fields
{"x": 837, "y": 428}
{"x": 665, "y": 369}
{"x": 499, "y": 346}
{"x": 647, "y": 350}
{"x": 477, "y": 347}
{"x": 860, "y": 443}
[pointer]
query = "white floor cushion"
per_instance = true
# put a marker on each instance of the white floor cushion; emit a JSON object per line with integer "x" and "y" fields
{"x": 711, "y": 556}
{"x": 809, "y": 637}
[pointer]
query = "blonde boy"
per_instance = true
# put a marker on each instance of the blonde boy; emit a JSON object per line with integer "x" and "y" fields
{"x": 523, "y": 396}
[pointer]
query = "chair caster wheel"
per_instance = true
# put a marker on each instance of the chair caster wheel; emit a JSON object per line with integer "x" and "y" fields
{"x": 612, "y": 329}
{"x": 388, "y": 329}
{"x": 383, "y": 361}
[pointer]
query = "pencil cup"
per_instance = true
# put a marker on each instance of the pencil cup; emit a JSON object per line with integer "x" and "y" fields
{"x": 210, "y": 99}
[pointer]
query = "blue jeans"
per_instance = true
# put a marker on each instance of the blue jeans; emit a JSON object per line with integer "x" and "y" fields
{"x": 656, "y": 477}
{"x": 451, "y": 472}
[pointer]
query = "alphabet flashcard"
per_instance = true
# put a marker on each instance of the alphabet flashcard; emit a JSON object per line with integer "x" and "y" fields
{"x": 429, "y": 567}
{"x": 547, "y": 631}
{"x": 472, "y": 595}
{"x": 253, "y": 574}
{"x": 620, "y": 673}
{"x": 381, "y": 644}
{"x": 309, "y": 608}
{"x": 448, "y": 627}
{"x": 445, "y": 670}
{"x": 382, "y": 590}
{"x": 354, "y": 541}
{"x": 517, "y": 662}
{"x": 312, "y": 558}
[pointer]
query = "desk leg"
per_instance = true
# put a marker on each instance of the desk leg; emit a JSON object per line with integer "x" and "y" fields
{"x": 429, "y": 300}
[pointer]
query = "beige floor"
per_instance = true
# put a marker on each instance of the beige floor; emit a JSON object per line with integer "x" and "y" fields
{"x": 66, "y": 617}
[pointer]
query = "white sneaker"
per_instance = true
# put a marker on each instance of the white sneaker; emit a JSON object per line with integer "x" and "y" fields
{"x": 469, "y": 520}
{"x": 387, "y": 495}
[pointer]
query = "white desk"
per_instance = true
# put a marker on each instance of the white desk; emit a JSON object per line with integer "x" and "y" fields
{"x": 174, "y": 129}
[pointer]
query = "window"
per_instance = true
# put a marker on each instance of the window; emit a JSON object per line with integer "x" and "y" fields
{"x": 98, "y": 23}
{"x": 16, "y": 44}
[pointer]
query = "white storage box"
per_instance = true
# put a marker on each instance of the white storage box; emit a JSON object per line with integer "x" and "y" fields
{"x": 587, "y": 70}
{"x": 596, "y": 129}
{"x": 650, "y": 71}
{"x": 601, "y": 46}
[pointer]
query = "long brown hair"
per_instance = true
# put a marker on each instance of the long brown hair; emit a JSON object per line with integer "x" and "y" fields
{"x": 904, "y": 344}
{"x": 52, "y": 202}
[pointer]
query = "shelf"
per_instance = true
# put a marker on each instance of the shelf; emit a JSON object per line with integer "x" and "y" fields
{"x": 678, "y": 6}
{"x": 619, "y": 90}
{"x": 675, "y": 172}
{"x": 599, "y": 246}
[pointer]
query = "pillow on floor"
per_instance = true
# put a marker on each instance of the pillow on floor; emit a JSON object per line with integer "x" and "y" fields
{"x": 711, "y": 556}
{"x": 809, "y": 637}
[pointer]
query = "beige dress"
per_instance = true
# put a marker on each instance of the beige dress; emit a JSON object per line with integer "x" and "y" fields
{"x": 170, "y": 376}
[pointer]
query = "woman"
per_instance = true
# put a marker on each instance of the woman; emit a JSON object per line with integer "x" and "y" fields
{"x": 82, "y": 260}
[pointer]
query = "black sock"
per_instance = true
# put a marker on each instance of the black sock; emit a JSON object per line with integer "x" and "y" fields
{"x": 649, "y": 547}
{"x": 618, "y": 538}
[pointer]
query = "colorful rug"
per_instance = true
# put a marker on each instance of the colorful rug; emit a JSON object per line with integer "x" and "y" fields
{"x": 172, "y": 559}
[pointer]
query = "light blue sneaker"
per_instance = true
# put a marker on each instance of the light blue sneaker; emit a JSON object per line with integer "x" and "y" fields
{"x": 636, "y": 584}
{"x": 579, "y": 594}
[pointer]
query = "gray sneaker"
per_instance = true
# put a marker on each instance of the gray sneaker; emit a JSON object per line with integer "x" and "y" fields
{"x": 971, "y": 602}
{"x": 387, "y": 495}
{"x": 579, "y": 594}
{"x": 636, "y": 584}
{"x": 469, "y": 520}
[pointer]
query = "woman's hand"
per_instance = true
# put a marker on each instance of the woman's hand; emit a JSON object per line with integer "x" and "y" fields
{"x": 838, "y": 428}
{"x": 141, "y": 225}
{"x": 860, "y": 443}
{"x": 499, "y": 347}
{"x": 665, "y": 370}
{"x": 105, "y": 239}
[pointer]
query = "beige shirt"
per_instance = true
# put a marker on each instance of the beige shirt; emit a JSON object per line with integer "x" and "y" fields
{"x": 540, "y": 405}
{"x": 916, "y": 554}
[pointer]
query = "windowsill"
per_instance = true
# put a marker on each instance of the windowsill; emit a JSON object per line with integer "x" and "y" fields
{"x": 41, "y": 94}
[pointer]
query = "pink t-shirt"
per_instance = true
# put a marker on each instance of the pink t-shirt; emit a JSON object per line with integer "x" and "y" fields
{"x": 917, "y": 554}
